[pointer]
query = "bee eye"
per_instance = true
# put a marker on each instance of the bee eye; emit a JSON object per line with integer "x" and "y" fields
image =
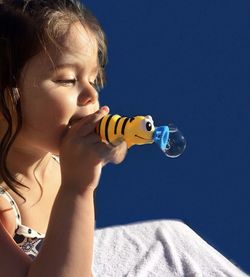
{"x": 148, "y": 126}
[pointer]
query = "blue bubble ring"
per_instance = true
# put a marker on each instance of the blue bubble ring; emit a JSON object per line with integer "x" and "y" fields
{"x": 161, "y": 136}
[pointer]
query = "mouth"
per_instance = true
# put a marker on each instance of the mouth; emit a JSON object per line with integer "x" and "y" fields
{"x": 143, "y": 138}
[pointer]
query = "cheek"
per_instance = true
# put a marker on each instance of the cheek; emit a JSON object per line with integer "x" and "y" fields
{"x": 47, "y": 112}
{"x": 45, "y": 121}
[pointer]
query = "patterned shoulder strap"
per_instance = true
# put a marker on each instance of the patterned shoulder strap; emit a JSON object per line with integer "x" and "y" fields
{"x": 8, "y": 197}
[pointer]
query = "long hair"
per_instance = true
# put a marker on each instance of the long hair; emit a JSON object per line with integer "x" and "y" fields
{"x": 26, "y": 28}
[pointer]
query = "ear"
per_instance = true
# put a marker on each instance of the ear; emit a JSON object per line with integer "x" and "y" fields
{"x": 15, "y": 94}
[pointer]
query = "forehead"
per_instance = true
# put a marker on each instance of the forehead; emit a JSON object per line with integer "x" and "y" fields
{"x": 78, "y": 47}
{"x": 78, "y": 42}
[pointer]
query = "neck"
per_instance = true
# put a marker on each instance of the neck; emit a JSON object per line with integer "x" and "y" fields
{"x": 28, "y": 163}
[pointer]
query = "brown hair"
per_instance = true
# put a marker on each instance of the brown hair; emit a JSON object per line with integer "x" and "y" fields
{"x": 26, "y": 27}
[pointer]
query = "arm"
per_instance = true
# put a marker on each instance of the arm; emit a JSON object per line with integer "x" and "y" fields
{"x": 14, "y": 262}
{"x": 68, "y": 247}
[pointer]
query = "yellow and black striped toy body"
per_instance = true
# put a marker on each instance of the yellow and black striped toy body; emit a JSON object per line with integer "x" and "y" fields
{"x": 134, "y": 130}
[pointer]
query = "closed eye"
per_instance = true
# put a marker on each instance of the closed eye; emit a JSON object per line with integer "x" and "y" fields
{"x": 72, "y": 82}
{"x": 67, "y": 82}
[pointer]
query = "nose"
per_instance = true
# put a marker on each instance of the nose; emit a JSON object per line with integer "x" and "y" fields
{"x": 88, "y": 95}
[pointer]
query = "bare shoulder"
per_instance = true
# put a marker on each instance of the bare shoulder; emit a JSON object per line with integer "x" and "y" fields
{"x": 7, "y": 215}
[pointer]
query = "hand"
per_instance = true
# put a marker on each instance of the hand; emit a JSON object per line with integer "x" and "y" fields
{"x": 82, "y": 153}
{"x": 118, "y": 151}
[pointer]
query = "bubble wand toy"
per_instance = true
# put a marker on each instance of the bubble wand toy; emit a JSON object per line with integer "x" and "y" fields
{"x": 140, "y": 130}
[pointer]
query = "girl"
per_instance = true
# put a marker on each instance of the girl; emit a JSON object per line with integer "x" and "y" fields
{"x": 52, "y": 59}
{"x": 53, "y": 55}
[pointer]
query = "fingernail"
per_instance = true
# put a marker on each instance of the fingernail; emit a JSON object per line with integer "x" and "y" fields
{"x": 105, "y": 108}
{"x": 118, "y": 141}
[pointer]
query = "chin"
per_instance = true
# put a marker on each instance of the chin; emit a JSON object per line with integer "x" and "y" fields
{"x": 55, "y": 153}
{"x": 55, "y": 149}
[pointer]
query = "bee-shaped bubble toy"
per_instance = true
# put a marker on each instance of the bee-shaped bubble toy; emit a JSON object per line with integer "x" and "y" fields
{"x": 140, "y": 130}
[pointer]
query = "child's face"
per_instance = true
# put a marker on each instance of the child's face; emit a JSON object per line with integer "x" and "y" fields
{"x": 51, "y": 97}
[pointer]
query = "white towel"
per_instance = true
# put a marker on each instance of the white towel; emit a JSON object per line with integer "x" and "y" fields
{"x": 163, "y": 248}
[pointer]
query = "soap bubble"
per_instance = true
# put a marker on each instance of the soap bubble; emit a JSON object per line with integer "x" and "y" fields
{"x": 176, "y": 142}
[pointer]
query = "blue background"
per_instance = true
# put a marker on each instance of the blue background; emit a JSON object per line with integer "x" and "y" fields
{"x": 186, "y": 62}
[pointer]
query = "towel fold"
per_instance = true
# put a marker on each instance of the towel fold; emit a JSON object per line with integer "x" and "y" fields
{"x": 162, "y": 248}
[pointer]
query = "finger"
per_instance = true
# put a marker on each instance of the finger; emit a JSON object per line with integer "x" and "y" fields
{"x": 97, "y": 116}
{"x": 117, "y": 153}
{"x": 91, "y": 117}
{"x": 88, "y": 124}
{"x": 92, "y": 138}
{"x": 117, "y": 141}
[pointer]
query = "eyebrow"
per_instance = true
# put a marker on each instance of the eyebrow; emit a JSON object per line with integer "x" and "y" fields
{"x": 72, "y": 65}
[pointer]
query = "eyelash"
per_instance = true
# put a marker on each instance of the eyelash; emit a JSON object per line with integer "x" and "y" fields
{"x": 66, "y": 82}
{"x": 95, "y": 86}
{"x": 73, "y": 82}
